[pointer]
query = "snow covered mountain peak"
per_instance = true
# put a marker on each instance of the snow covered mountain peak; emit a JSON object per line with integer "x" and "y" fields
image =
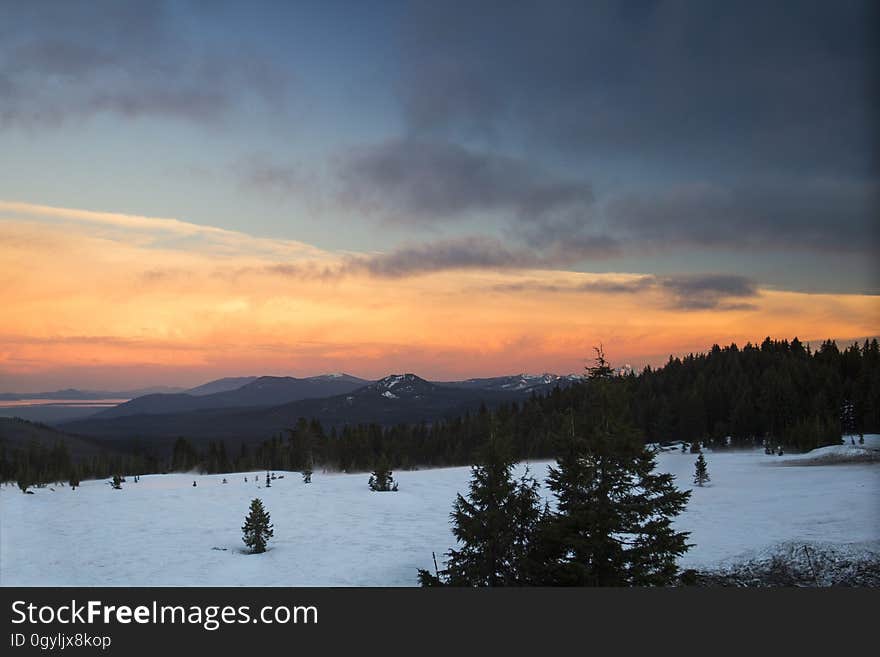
{"x": 397, "y": 385}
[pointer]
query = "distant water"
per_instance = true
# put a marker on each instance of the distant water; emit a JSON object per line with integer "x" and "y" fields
{"x": 63, "y": 403}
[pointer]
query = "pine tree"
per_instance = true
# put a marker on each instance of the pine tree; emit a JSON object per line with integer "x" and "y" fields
{"x": 23, "y": 479}
{"x": 848, "y": 418}
{"x": 117, "y": 482}
{"x": 74, "y": 478}
{"x": 268, "y": 482}
{"x": 613, "y": 520}
{"x": 257, "y": 528}
{"x": 701, "y": 473}
{"x": 381, "y": 479}
{"x": 494, "y": 524}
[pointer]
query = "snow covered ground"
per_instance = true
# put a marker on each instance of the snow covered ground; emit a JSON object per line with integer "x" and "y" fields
{"x": 335, "y": 532}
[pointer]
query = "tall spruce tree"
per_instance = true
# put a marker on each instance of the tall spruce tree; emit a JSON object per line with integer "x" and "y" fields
{"x": 494, "y": 524}
{"x": 701, "y": 472}
{"x": 612, "y": 525}
{"x": 257, "y": 528}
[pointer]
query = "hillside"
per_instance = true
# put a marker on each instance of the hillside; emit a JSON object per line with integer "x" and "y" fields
{"x": 396, "y": 399}
{"x": 260, "y": 391}
{"x": 16, "y": 433}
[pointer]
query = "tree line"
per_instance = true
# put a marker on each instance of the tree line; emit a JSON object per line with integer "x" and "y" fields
{"x": 777, "y": 393}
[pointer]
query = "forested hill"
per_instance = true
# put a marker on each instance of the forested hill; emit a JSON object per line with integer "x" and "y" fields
{"x": 779, "y": 391}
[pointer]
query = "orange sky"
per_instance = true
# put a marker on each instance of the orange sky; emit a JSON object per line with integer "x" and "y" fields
{"x": 103, "y": 300}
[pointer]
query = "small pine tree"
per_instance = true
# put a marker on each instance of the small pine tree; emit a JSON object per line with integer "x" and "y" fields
{"x": 257, "y": 528}
{"x": 701, "y": 472}
{"x": 307, "y": 474}
{"x": 23, "y": 479}
{"x": 381, "y": 479}
{"x": 268, "y": 481}
{"x": 117, "y": 482}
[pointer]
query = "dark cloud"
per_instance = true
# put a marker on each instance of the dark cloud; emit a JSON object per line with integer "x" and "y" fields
{"x": 413, "y": 180}
{"x": 60, "y": 60}
{"x": 444, "y": 255}
{"x": 819, "y": 215}
{"x": 475, "y": 252}
{"x": 681, "y": 291}
{"x": 753, "y": 124}
{"x": 771, "y": 85}
{"x": 709, "y": 291}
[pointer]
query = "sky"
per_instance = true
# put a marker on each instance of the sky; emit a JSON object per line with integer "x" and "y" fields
{"x": 191, "y": 190}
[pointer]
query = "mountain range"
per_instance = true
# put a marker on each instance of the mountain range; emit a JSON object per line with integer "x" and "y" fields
{"x": 254, "y": 391}
{"x": 268, "y": 405}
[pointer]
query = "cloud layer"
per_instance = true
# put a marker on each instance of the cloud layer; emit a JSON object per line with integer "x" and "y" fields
{"x": 73, "y": 60}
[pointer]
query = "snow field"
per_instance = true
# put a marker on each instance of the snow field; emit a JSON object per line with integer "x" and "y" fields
{"x": 163, "y": 531}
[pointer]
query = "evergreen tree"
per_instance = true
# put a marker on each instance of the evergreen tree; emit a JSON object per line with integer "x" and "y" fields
{"x": 494, "y": 524}
{"x": 307, "y": 474}
{"x": 23, "y": 479}
{"x": 74, "y": 478}
{"x": 117, "y": 482}
{"x": 613, "y": 521}
{"x": 257, "y": 528}
{"x": 701, "y": 473}
{"x": 381, "y": 479}
{"x": 268, "y": 482}
{"x": 848, "y": 418}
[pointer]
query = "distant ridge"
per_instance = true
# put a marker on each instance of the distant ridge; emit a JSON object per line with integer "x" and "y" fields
{"x": 395, "y": 399}
{"x": 257, "y": 391}
{"x": 84, "y": 395}
{"x": 220, "y": 385}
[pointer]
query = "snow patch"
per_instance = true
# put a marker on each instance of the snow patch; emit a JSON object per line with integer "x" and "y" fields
{"x": 334, "y": 532}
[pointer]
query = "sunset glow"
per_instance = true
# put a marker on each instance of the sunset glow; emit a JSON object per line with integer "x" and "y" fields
{"x": 115, "y": 300}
